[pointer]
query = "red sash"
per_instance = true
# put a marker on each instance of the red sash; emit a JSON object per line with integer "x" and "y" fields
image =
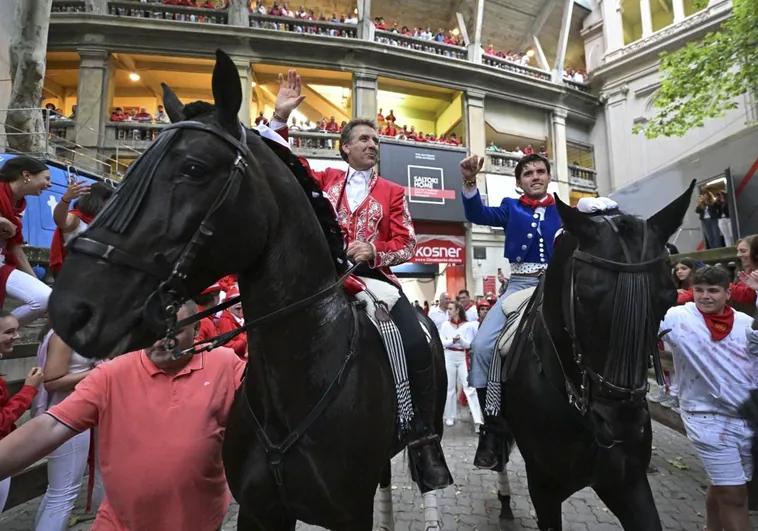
{"x": 58, "y": 251}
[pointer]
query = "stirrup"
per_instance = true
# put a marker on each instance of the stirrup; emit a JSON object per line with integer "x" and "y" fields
{"x": 423, "y": 441}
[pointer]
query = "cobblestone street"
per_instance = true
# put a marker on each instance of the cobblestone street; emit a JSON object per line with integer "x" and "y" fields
{"x": 472, "y": 503}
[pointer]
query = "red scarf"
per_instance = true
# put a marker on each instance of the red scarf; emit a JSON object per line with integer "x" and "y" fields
{"x": 13, "y": 213}
{"x": 58, "y": 251}
{"x": 535, "y": 203}
{"x": 719, "y": 325}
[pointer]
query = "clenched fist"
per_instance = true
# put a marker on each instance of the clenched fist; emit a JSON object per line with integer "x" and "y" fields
{"x": 470, "y": 167}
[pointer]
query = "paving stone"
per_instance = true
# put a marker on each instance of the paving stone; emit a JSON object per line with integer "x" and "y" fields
{"x": 472, "y": 503}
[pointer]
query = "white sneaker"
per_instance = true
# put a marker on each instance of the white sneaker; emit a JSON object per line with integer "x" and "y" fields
{"x": 449, "y": 422}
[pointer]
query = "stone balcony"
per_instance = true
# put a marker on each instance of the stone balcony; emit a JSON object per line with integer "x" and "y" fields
{"x": 504, "y": 163}
{"x": 150, "y": 27}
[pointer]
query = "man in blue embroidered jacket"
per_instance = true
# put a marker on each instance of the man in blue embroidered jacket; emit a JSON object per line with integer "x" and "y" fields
{"x": 530, "y": 224}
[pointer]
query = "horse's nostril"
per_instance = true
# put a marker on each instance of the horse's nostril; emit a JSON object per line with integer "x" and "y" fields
{"x": 80, "y": 316}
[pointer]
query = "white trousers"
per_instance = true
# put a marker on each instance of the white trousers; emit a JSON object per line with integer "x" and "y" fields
{"x": 457, "y": 373}
{"x": 65, "y": 473}
{"x": 725, "y": 226}
{"x": 5, "y": 487}
{"x": 33, "y": 294}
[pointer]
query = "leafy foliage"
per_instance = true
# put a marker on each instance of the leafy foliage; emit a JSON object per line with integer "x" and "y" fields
{"x": 702, "y": 80}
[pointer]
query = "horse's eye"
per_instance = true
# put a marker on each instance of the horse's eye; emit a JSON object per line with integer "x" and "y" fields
{"x": 194, "y": 170}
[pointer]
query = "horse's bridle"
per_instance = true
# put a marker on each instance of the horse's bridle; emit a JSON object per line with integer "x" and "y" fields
{"x": 580, "y": 398}
{"x": 172, "y": 290}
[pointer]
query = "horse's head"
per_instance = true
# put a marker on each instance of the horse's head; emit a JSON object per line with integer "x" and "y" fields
{"x": 616, "y": 289}
{"x": 192, "y": 208}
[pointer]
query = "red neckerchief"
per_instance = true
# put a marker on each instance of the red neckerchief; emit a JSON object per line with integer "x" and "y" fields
{"x": 536, "y": 203}
{"x": 719, "y": 325}
{"x": 470, "y": 304}
{"x": 58, "y": 251}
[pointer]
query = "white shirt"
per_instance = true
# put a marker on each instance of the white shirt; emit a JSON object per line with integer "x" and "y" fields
{"x": 472, "y": 313}
{"x": 715, "y": 376}
{"x": 448, "y": 331}
{"x": 356, "y": 189}
{"x": 438, "y": 316}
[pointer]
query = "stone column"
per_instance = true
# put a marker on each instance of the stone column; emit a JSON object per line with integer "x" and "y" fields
{"x": 560, "y": 153}
{"x": 476, "y": 141}
{"x": 365, "y": 26}
{"x": 678, "y": 11}
{"x": 613, "y": 26}
{"x": 246, "y": 80}
{"x": 560, "y": 53}
{"x": 93, "y": 102}
{"x": 365, "y": 90}
{"x": 646, "y": 18}
{"x": 475, "y": 46}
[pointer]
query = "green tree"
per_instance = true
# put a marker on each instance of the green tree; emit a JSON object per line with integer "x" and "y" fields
{"x": 702, "y": 79}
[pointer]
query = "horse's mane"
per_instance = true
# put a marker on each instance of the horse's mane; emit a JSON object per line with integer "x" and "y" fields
{"x": 321, "y": 206}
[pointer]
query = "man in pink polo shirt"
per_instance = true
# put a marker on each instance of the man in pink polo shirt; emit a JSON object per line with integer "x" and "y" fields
{"x": 160, "y": 427}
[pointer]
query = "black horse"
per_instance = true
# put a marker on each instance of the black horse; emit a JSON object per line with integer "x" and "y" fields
{"x": 209, "y": 198}
{"x": 576, "y": 379}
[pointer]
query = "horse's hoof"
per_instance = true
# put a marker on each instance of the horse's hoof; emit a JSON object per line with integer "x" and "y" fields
{"x": 506, "y": 513}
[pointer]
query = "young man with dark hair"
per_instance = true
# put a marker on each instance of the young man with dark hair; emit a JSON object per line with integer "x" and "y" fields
{"x": 530, "y": 224}
{"x": 716, "y": 370}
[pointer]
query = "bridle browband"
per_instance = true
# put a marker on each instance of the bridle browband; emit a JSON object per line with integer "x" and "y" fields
{"x": 580, "y": 397}
{"x": 172, "y": 291}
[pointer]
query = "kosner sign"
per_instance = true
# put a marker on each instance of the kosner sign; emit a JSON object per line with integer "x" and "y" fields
{"x": 439, "y": 249}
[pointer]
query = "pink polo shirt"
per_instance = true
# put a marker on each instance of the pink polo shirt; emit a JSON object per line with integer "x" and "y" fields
{"x": 159, "y": 439}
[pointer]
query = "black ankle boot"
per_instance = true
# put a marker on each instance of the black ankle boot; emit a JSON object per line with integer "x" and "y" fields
{"x": 490, "y": 448}
{"x": 432, "y": 472}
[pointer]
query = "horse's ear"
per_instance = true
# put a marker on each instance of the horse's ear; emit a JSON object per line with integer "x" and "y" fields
{"x": 574, "y": 221}
{"x": 669, "y": 218}
{"x": 173, "y": 105}
{"x": 227, "y": 91}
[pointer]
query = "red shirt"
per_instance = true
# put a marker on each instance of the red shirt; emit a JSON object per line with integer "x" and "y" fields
{"x": 159, "y": 439}
{"x": 13, "y": 407}
{"x": 332, "y": 127}
{"x": 208, "y": 328}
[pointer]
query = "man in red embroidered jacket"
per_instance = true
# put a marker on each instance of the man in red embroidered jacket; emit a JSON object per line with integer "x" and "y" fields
{"x": 374, "y": 216}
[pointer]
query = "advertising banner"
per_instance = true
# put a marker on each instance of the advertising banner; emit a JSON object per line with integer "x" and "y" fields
{"x": 439, "y": 249}
{"x": 430, "y": 175}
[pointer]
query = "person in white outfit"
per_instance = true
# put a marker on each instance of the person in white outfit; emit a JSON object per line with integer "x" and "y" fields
{"x": 19, "y": 177}
{"x": 438, "y": 312}
{"x": 63, "y": 369}
{"x": 456, "y": 334}
{"x": 716, "y": 354}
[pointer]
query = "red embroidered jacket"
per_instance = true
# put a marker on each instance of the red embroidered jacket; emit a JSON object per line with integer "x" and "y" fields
{"x": 383, "y": 219}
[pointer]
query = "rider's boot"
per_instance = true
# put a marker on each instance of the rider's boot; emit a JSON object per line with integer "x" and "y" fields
{"x": 489, "y": 452}
{"x": 425, "y": 448}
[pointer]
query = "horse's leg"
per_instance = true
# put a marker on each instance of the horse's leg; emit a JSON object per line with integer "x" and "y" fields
{"x": 386, "y": 516}
{"x": 431, "y": 514}
{"x": 276, "y": 519}
{"x": 632, "y": 503}
{"x": 504, "y": 486}
{"x": 504, "y": 495}
{"x": 547, "y": 501}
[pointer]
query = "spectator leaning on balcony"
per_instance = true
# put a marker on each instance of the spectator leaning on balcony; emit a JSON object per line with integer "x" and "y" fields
{"x": 160, "y": 116}
{"x": 19, "y": 177}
